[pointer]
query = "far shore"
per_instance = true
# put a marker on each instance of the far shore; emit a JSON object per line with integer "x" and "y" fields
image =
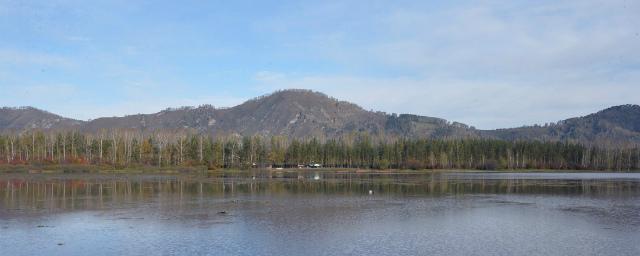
{"x": 108, "y": 169}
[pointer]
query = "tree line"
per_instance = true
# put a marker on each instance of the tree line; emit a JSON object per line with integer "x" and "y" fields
{"x": 164, "y": 149}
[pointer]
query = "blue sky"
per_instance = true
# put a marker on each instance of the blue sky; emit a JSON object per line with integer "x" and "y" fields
{"x": 485, "y": 63}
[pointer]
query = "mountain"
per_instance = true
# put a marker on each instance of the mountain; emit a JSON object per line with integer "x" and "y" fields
{"x": 303, "y": 113}
{"x": 619, "y": 125}
{"x": 18, "y": 119}
{"x": 293, "y": 113}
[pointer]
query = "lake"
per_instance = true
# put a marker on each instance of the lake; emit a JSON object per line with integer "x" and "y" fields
{"x": 321, "y": 213}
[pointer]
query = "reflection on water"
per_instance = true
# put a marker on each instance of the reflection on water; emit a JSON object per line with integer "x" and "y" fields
{"x": 321, "y": 213}
{"x": 99, "y": 191}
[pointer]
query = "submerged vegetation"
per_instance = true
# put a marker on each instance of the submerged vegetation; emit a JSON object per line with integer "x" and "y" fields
{"x": 122, "y": 149}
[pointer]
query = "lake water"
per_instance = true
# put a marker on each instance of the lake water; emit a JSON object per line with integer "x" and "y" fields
{"x": 321, "y": 213}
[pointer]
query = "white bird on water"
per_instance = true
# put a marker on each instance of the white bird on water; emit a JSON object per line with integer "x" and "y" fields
{"x": 370, "y": 192}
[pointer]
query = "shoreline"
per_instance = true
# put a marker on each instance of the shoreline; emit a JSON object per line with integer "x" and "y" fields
{"x": 107, "y": 169}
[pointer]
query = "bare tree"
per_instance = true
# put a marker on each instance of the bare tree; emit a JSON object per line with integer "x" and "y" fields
{"x": 13, "y": 154}
{"x": 101, "y": 138}
{"x": 114, "y": 135}
{"x": 33, "y": 144}
{"x": 64, "y": 147}
{"x": 181, "y": 138}
{"x": 162, "y": 139}
{"x": 87, "y": 148}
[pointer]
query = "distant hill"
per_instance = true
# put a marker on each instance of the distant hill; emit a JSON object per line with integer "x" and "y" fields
{"x": 23, "y": 118}
{"x": 303, "y": 113}
{"x": 293, "y": 113}
{"x": 619, "y": 125}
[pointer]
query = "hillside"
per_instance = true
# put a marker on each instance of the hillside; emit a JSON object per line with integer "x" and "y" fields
{"x": 303, "y": 114}
{"x": 619, "y": 125}
{"x": 22, "y": 118}
{"x": 292, "y": 113}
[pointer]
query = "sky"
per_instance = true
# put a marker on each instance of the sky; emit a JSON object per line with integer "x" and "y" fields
{"x": 489, "y": 64}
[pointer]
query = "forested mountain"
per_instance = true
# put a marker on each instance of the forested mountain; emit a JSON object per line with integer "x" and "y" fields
{"x": 24, "y": 118}
{"x": 615, "y": 126}
{"x": 307, "y": 114}
{"x": 291, "y": 113}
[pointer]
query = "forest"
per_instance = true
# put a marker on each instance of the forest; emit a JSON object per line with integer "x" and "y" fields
{"x": 123, "y": 149}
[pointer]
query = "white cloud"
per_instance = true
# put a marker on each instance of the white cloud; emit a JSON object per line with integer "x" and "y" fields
{"x": 502, "y": 41}
{"x": 486, "y": 63}
{"x": 490, "y": 64}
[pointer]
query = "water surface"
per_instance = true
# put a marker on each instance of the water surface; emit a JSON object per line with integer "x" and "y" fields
{"x": 321, "y": 213}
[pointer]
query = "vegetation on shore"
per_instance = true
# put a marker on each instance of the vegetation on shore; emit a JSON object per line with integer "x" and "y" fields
{"x": 125, "y": 150}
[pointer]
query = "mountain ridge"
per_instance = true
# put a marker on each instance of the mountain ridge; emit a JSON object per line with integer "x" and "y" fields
{"x": 303, "y": 113}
